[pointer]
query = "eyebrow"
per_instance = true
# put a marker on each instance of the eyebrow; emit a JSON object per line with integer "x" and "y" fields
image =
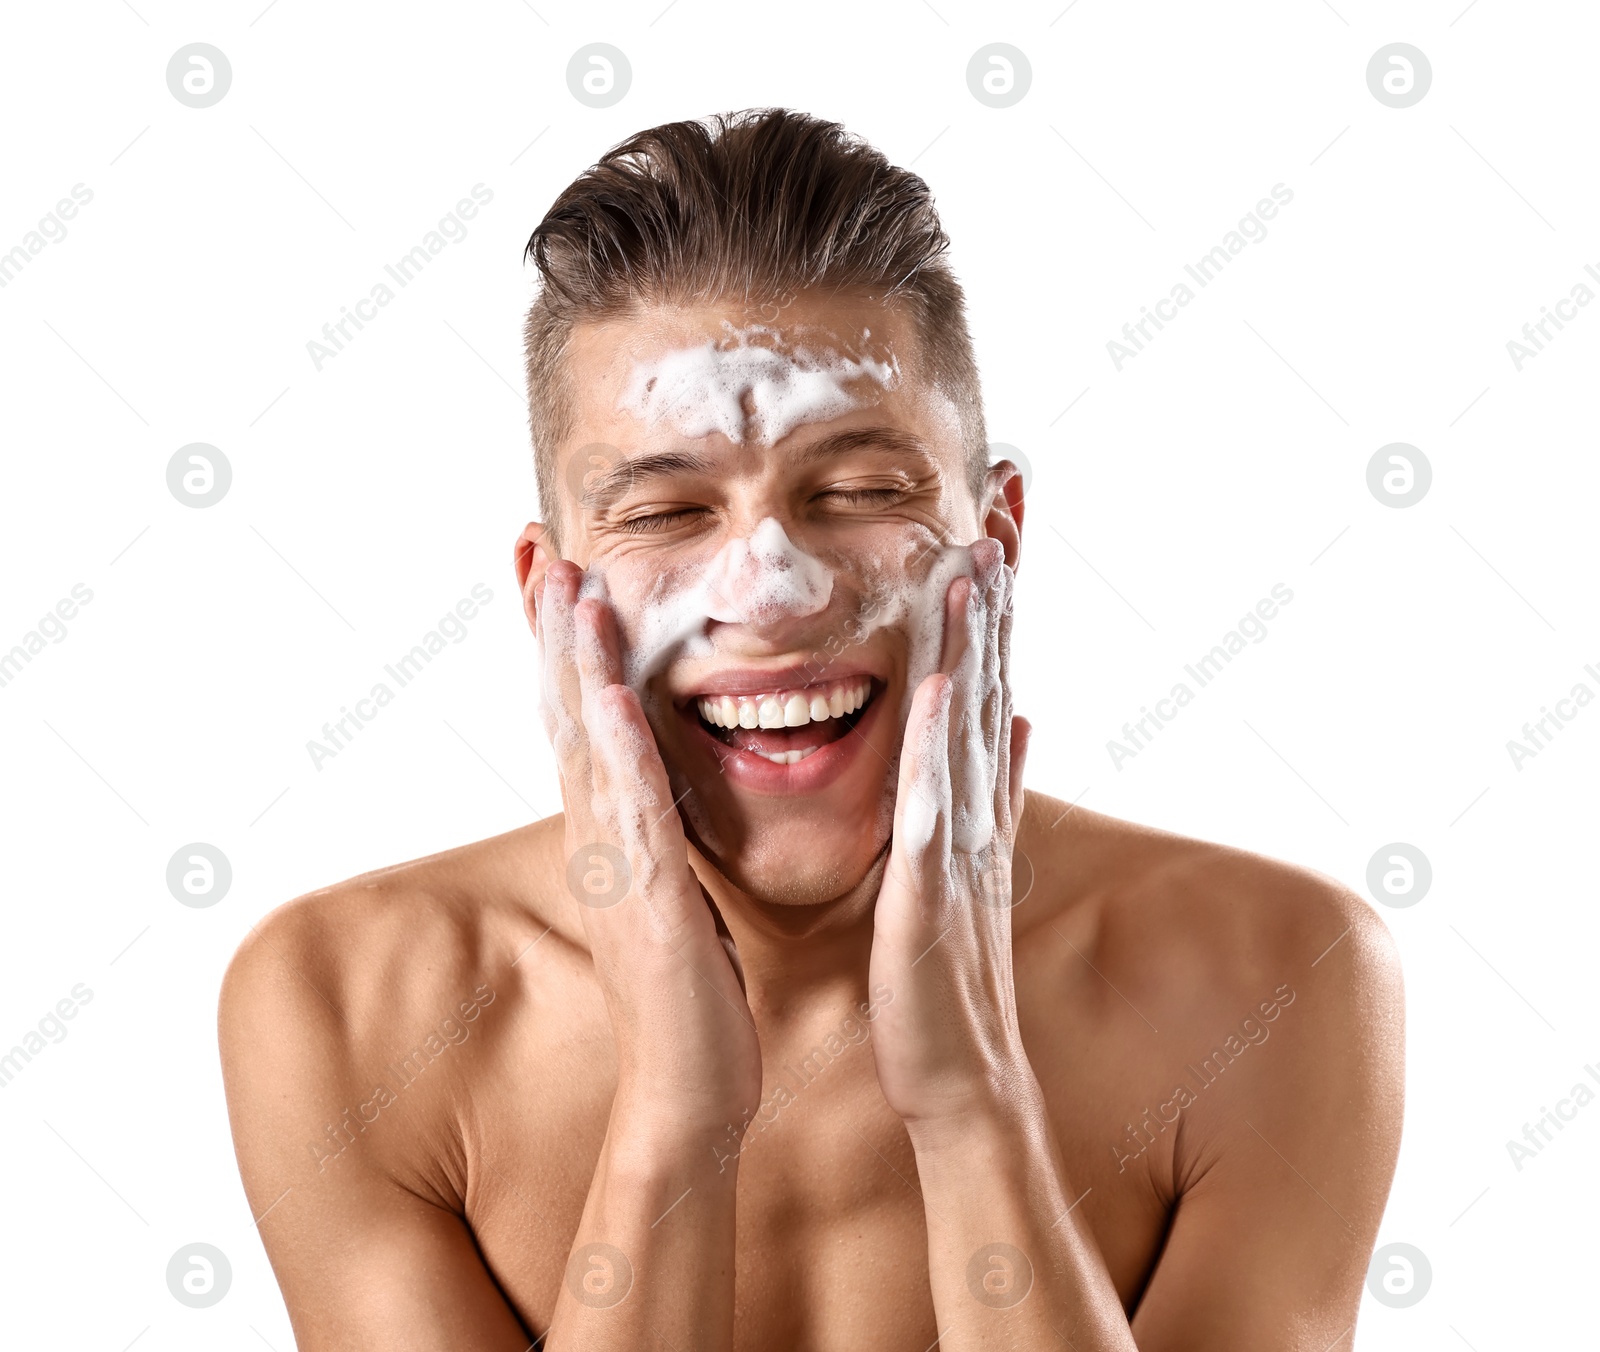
{"x": 888, "y": 439}
{"x": 660, "y": 464}
{"x": 616, "y": 481}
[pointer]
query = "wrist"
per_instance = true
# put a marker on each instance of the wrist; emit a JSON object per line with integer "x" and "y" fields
{"x": 996, "y": 1117}
{"x": 649, "y": 1127}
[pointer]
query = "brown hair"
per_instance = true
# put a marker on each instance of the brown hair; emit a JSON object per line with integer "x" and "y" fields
{"x": 755, "y": 204}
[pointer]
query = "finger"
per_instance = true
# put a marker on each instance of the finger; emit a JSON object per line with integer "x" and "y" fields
{"x": 557, "y": 595}
{"x": 638, "y": 812}
{"x": 1000, "y": 708}
{"x": 973, "y": 741}
{"x": 595, "y": 659}
{"x": 922, "y": 798}
{"x": 1021, "y": 737}
{"x": 725, "y": 938}
{"x": 560, "y": 701}
{"x": 598, "y": 647}
{"x": 953, "y": 647}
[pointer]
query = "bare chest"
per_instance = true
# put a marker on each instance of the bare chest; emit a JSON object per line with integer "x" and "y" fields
{"x": 832, "y": 1244}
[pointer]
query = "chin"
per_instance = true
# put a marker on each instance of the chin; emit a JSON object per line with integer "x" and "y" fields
{"x": 792, "y": 872}
{"x": 792, "y": 850}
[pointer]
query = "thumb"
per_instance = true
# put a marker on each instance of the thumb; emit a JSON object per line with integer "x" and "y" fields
{"x": 1021, "y": 735}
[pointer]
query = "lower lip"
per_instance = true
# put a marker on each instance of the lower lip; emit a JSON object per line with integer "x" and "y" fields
{"x": 750, "y": 770}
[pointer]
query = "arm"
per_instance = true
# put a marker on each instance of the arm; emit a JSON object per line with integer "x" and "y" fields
{"x": 369, "y": 1252}
{"x": 652, "y": 1264}
{"x": 1009, "y": 1263}
{"x": 1270, "y": 1243}
{"x": 364, "y": 1227}
{"x": 369, "y": 1243}
{"x": 1285, "y": 1184}
{"x": 1258, "y": 1256}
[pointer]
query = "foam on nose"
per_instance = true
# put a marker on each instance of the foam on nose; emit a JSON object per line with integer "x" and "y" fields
{"x": 765, "y": 578}
{"x": 756, "y": 580}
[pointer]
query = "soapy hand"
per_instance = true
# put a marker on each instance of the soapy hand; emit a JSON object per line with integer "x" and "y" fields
{"x": 687, "y": 1054}
{"x": 948, "y": 1045}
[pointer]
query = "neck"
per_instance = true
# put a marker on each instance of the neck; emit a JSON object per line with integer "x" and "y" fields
{"x": 797, "y": 955}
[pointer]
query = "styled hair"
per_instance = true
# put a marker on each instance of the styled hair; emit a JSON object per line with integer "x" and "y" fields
{"x": 754, "y": 205}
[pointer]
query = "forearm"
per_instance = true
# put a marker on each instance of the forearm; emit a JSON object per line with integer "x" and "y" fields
{"x": 652, "y": 1264}
{"x": 1010, "y": 1261}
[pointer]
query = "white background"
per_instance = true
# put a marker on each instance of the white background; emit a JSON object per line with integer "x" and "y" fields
{"x": 368, "y": 497}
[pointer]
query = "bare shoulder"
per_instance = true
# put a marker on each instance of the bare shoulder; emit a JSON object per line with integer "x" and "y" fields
{"x": 1249, "y": 1012}
{"x": 332, "y": 991}
{"x": 1196, "y": 925}
{"x": 348, "y": 953}
{"x": 1188, "y": 956}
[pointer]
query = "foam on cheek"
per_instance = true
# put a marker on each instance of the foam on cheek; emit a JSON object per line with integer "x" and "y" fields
{"x": 756, "y": 581}
{"x": 897, "y": 598}
{"x": 671, "y": 619}
{"x": 917, "y": 606}
{"x": 704, "y": 389}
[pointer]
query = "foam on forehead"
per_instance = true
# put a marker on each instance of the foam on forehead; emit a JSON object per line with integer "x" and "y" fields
{"x": 703, "y": 388}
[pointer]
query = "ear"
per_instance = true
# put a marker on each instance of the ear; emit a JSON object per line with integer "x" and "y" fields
{"x": 1002, "y": 521}
{"x": 531, "y": 559}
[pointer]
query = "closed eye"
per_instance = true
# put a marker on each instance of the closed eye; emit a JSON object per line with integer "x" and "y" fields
{"x": 862, "y": 496}
{"x": 650, "y": 521}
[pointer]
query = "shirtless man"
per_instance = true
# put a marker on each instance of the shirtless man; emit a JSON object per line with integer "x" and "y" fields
{"x": 805, "y": 1026}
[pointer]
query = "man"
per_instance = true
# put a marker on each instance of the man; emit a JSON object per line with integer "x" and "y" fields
{"x": 805, "y": 1026}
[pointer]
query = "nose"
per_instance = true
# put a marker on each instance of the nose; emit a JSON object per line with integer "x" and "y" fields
{"x": 767, "y": 581}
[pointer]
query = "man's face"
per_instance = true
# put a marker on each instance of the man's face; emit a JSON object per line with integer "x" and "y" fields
{"x": 768, "y": 497}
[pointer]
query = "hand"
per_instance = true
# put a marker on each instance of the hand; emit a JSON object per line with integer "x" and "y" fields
{"x": 947, "y": 1043}
{"x": 688, "y": 1059}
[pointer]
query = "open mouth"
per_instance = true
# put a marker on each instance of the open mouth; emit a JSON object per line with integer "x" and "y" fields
{"x": 787, "y": 726}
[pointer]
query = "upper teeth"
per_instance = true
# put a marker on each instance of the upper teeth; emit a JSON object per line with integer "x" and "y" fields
{"x": 785, "y": 708}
